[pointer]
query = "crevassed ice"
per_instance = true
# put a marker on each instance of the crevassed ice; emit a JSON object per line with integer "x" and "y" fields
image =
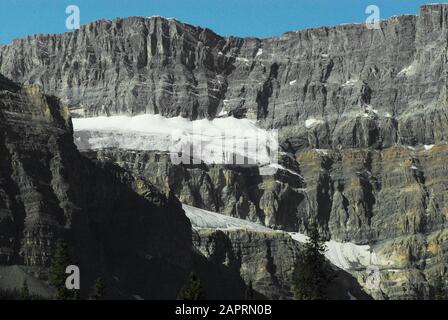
{"x": 211, "y": 139}
{"x": 207, "y": 219}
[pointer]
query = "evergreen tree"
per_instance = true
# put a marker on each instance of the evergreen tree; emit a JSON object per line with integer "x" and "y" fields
{"x": 311, "y": 273}
{"x": 60, "y": 261}
{"x": 249, "y": 295}
{"x": 25, "y": 292}
{"x": 192, "y": 290}
{"x": 440, "y": 292}
{"x": 98, "y": 290}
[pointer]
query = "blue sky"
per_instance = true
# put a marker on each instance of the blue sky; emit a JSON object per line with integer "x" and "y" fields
{"x": 261, "y": 18}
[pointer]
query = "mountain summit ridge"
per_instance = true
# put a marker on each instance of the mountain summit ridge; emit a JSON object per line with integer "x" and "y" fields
{"x": 199, "y": 26}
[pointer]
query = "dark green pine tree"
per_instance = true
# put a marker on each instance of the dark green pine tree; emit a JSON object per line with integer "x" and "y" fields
{"x": 60, "y": 261}
{"x": 311, "y": 273}
{"x": 98, "y": 290}
{"x": 192, "y": 290}
{"x": 25, "y": 292}
{"x": 249, "y": 294}
{"x": 440, "y": 292}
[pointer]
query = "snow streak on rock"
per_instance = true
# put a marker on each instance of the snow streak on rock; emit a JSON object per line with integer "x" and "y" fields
{"x": 345, "y": 255}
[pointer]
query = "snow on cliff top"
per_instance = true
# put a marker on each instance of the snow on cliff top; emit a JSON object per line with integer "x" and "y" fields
{"x": 345, "y": 255}
{"x": 153, "y": 132}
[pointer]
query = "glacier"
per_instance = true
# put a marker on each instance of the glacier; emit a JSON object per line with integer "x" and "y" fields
{"x": 213, "y": 141}
{"x": 345, "y": 255}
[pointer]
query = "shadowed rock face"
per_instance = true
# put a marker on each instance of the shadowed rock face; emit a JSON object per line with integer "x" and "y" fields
{"x": 231, "y": 190}
{"x": 364, "y": 87}
{"x": 118, "y": 226}
{"x": 265, "y": 259}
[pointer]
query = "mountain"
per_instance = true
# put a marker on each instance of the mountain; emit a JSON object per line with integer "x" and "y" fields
{"x": 337, "y": 86}
{"x": 362, "y": 118}
{"x": 117, "y": 224}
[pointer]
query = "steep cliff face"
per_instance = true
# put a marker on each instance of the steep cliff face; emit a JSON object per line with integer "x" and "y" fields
{"x": 327, "y": 87}
{"x": 117, "y": 226}
{"x": 236, "y": 191}
{"x": 356, "y": 195}
{"x": 266, "y": 260}
{"x": 393, "y": 200}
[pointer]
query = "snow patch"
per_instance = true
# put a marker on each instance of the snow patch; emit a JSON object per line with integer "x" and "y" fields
{"x": 345, "y": 255}
{"x": 201, "y": 218}
{"x": 223, "y": 113}
{"x": 299, "y": 237}
{"x": 350, "y": 83}
{"x": 428, "y": 147}
{"x": 311, "y": 122}
{"x": 322, "y": 151}
{"x": 408, "y": 71}
{"x": 280, "y": 167}
{"x": 78, "y": 112}
{"x": 242, "y": 59}
{"x": 292, "y": 82}
{"x": 162, "y": 17}
{"x": 369, "y": 108}
{"x": 259, "y": 52}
